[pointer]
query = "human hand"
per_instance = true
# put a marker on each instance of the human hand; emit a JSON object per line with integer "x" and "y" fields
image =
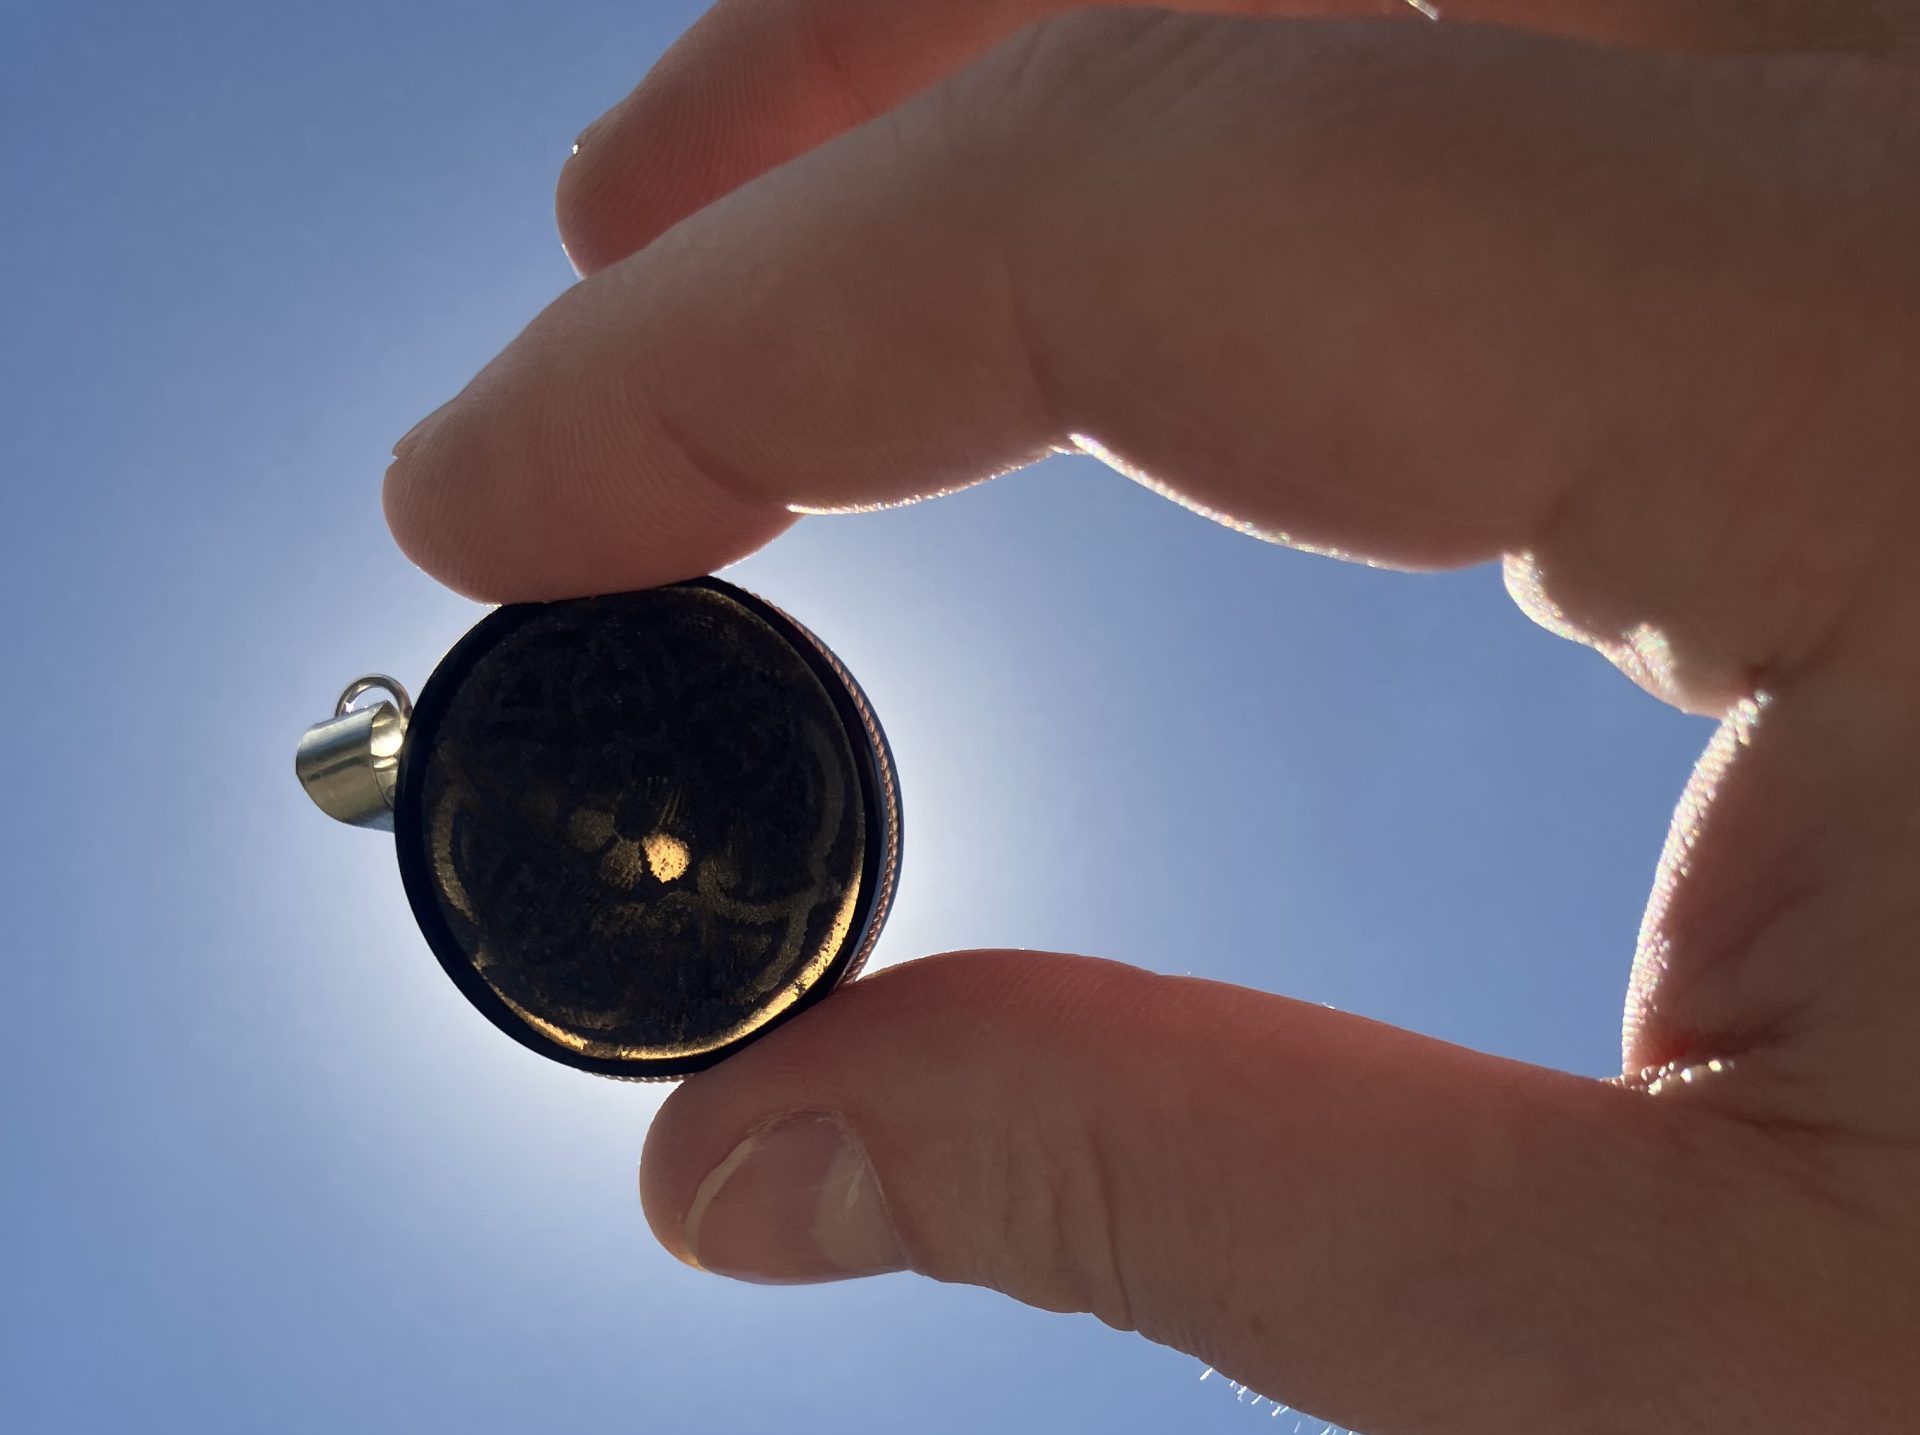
{"x": 1645, "y": 322}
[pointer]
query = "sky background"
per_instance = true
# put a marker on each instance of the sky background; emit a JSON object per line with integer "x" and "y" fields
{"x": 263, "y": 1168}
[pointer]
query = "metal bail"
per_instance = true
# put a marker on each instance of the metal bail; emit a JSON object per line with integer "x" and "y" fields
{"x": 350, "y": 763}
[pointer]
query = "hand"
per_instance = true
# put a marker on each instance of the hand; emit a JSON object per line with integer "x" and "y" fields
{"x": 1642, "y": 318}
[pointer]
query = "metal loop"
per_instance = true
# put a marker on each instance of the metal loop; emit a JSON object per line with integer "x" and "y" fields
{"x": 373, "y": 682}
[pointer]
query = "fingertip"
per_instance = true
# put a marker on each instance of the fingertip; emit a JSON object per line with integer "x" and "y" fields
{"x": 663, "y": 1204}
{"x": 705, "y": 1121}
{"x": 591, "y": 203}
{"x": 537, "y": 542}
{"x": 702, "y": 1122}
{"x": 571, "y": 245}
{"x": 545, "y": 478}
{"x": 402, "y": 497}
{"x": 660, "y": 153}
{"x": 426, "y": 521}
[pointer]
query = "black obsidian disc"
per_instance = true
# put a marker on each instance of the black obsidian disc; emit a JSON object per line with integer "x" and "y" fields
{"x": 640, "y": 830}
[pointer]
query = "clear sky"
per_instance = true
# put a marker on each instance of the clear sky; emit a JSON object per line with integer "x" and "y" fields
{"x": 263, "y": 1167}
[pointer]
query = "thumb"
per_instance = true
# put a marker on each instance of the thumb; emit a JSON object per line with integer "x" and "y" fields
{"x": 1380, "y": 1228}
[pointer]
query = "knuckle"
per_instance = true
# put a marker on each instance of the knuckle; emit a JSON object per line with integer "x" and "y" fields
{"x": 1055, "y": 1223}
{"x": 1058, "y": 89}
{"x": 1169, "y": 72}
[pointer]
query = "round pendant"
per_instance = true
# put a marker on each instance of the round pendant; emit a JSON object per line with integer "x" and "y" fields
{"x": 638, "y": 830}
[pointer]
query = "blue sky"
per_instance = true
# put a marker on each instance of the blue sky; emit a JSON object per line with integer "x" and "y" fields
{"x": 264, "y": 1167}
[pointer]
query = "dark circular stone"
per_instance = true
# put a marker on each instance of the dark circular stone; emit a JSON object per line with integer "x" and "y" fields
{"x": 640, "y": 830}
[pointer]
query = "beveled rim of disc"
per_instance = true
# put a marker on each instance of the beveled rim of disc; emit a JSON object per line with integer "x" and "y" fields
{"x": 879, "y": 862}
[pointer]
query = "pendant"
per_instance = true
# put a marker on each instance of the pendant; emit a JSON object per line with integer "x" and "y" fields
{"x": 638, "y": 831}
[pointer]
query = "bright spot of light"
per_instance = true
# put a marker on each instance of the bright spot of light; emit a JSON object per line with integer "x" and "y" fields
{"x": 667, "y": 856}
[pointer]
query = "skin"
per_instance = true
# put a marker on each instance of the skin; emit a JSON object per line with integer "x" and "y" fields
{"x": 1626, "y": 294}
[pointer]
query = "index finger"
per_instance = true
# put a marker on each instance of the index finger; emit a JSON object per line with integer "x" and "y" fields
{"x": 1402, "y": 291}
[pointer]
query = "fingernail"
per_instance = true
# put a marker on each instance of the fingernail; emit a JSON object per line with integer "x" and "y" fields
{"x": 793, "y": 1203}
{"x": 417, "y": 435}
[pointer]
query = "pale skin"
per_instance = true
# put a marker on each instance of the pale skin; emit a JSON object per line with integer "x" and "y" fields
{"x": 1626, "y": 293}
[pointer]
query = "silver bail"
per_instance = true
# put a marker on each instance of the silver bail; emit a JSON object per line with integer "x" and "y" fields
{"x": 350, "y": 764}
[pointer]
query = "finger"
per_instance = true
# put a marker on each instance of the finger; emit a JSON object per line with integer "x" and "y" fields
{"x": 756, "y": 82}
{"x": 1381, "y": 1229}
